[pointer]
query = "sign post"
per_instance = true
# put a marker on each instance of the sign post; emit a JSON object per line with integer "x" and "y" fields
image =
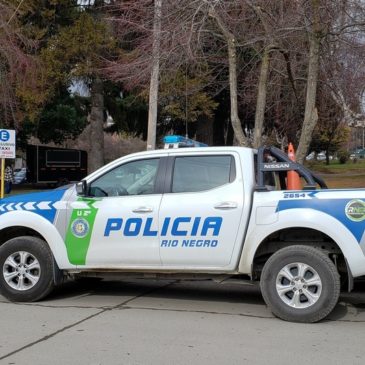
{"x": 7, "y": 150}
{"x": 2, "y": 178}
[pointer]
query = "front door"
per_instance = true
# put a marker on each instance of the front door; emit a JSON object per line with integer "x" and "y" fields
{"x": 117, "y": 225}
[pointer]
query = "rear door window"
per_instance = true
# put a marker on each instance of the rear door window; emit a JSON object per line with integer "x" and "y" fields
{"x": 199, "y": 173}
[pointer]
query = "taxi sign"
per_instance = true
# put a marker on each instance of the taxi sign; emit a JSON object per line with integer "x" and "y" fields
{"x": 7, "y": 143}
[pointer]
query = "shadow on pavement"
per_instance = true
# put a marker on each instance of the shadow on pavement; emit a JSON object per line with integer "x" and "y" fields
{"x": 161, "y": 289}
{"x": 175, "y": 294}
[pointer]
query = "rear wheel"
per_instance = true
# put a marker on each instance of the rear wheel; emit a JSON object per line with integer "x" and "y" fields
{"x": 27, "y": 269}
{"x": 300, "y": 284}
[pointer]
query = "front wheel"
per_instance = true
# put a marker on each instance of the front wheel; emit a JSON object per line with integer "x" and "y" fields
{"x": 27, "y": 269}
{"x": 300, "y": 284}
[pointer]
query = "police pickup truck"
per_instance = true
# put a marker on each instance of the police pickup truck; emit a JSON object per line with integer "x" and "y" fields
{"x": 223, "y": 213}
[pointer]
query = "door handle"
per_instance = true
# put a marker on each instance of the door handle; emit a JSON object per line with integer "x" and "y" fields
{"x": 143, "y": 210}
{"x": 226, "y": 205}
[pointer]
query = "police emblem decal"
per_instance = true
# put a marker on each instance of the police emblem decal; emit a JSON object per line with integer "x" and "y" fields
{"x": 355, "y": 210}
{"x": 80, "y": 227}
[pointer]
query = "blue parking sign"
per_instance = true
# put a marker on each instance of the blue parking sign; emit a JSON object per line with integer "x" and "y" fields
{"x": 7, "y": 143}
{"x": 4, "y": 135}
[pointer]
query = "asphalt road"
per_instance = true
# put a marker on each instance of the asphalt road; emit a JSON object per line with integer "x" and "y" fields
{"x": 170, "y": 322}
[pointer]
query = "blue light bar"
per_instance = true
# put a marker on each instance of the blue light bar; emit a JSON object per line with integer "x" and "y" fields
{"x": 173, "y": 139}
{"x": 179, "y": 141}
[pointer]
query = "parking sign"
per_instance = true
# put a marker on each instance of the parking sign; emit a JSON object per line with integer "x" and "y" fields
{"x": 7, "y": 143}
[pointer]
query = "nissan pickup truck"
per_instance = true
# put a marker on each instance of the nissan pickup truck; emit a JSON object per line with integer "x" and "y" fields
{"x": 222, "y": 213}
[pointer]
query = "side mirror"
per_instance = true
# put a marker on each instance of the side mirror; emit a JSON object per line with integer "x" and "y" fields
{"x": 81, "y": 188}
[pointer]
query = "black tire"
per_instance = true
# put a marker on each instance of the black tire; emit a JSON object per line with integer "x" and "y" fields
{"x": 313, "y": 262}
{"x": 37, "y": 251}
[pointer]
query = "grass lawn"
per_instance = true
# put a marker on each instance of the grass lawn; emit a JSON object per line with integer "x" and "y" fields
{"x": 343, "y": 182}
{"x": 336, "y": 175}
{"x": 335, "y": 167}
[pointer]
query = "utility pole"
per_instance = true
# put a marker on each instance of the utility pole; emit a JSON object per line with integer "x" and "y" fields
{"x": 153, "y": 97}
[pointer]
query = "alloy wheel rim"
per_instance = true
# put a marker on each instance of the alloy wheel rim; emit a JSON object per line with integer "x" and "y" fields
{"x": 298, "y": 285}
{"x": 21, "y": 270}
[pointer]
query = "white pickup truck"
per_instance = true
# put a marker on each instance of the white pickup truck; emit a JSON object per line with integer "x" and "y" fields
{"x": 218, "y": 212}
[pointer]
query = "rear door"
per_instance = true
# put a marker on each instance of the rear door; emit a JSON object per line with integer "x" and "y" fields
{"x": 201, "y": 212}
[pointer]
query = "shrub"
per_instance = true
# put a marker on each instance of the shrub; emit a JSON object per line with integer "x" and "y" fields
{"x": 343, "y": 156}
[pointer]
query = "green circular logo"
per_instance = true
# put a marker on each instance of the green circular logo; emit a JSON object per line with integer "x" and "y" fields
{"x": 355, "y": 210}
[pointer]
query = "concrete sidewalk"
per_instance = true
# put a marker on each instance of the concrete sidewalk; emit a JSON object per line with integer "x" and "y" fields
{"x": 168, "y": 322}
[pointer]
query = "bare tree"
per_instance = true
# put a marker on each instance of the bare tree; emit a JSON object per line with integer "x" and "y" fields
{"x": 335, "y": 37}
{"x": 232, "y": 62}
{"x": 153, "y": 97}
{"x": 311, "y": 114}
{"x": 269, "y": 46}
{"x": 186, "y": 26}
{"x": 17, "y": 66}
{"x": 96, "y": 118}
{"x": 343, "y": 60}
{"x": 266, "y": 53}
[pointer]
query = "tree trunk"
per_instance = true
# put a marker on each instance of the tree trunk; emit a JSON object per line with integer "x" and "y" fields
{"x": 261, "y": 99}
{"x": 311, "y": 115}
{"x": 327, "y": 156}
{"x": 204, "y": 131}
{"x": 153, "y": 98}
{"x": 235, "y": 120}
{"x": 232, "y": 65}
{"x": 96, "y": 118}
